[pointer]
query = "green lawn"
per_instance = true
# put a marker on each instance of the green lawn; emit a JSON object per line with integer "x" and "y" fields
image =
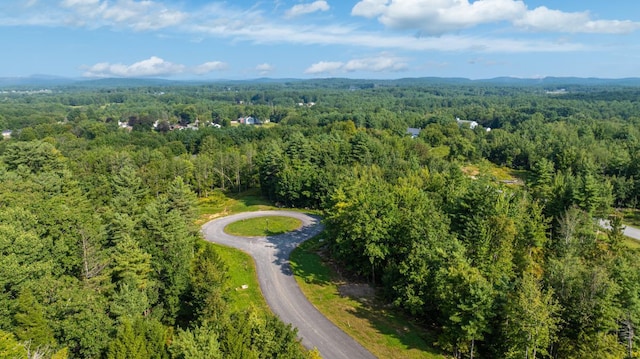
{"x": 219, "y": 204}
{"x": 631, "y": 243}
{"x": 263, "y": 226}
{"x": 499, "y": 173}
{"x": 381, "y": 330}
{"x": 242, "y": 272}
{"x": 440, "y": 151}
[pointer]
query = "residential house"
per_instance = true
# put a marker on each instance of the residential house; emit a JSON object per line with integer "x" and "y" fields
{"x": 471, "y": 124}
{"x": 414, "y": 132}
{"x": 249, "y": 121}
{"x": 6, "y": 134}
{"x": 125, "y": 125}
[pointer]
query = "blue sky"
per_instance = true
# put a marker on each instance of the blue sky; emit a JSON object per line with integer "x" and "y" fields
{"x": 182, "y": 39}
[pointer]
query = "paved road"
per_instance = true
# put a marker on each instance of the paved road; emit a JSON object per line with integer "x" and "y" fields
{"x": 280, "y": 289}
{"x": 629, "y": 231}
{"x": 632, "y": 232}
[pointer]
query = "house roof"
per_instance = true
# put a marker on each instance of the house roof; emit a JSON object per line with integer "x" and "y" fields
{"x": 414, "y": 132}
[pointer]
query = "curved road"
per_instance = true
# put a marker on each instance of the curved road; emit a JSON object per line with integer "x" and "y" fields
{"x": 280, "y": 289}
{"x": 631, "y": 232}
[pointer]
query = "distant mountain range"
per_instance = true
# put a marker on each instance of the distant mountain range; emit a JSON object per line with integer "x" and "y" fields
{"x": 47, "y": 81}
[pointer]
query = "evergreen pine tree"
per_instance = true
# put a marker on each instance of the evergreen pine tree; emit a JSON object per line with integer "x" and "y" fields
{"x": 31, "y": 326}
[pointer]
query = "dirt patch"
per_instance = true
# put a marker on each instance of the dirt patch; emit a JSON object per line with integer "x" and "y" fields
{"x": 349, "y": 285}
{"x": 357, "y": 291}
{"x": 471, "y": 171}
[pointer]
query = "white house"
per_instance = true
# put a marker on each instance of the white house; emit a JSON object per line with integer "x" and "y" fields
{"x": 249, "y": 121}
{"x": 471, "y": 124}
{"x": 6, "y": 134}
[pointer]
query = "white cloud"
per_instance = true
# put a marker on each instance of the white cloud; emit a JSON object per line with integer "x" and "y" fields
{"x": 257, "y": 30}
{"x": 544, "y": 19}
{"x": 302, "y": 9}
{"x": 436, "y": 17}
{"x": 225, "y": 21}
{"x": 151, "y": 67}
{"x": 370, "y": 8}
{"x": 382, "y": 63}
{"x": 74, "y": 3}
{"x": 138, "y": 15}
{"x": 208, "y": 67}
{"x": 324, "y": 67}
{"x": 144, "y": 15}
{"x": 265, "y": 69}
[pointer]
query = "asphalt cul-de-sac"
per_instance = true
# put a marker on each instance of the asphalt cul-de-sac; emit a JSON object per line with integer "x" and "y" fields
{"x": 271, "y": 255}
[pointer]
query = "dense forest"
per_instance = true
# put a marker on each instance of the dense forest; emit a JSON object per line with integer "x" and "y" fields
{"x": 99, "y": 185}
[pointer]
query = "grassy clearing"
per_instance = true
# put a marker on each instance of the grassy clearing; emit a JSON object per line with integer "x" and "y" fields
{"x": 631, "y": 243}
{"x": 382, "y": 331}
{"x": 440, "y": 151}
{"x": 219, "y": 204}
{"x": 263, "y": 226}
{"x": 242, "y": 272}
{"x": 502, "y": 174}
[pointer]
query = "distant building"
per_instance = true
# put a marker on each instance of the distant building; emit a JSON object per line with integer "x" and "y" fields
{"x": 125, "y": 125}
{"x": 192, "y": 126}
{"x": 414, "y": 132}
{"x": 556, "y": 92}
{"x": 249, "y": 121}
{"x": 471, "y": 124}
{"x": 6, "y": 134}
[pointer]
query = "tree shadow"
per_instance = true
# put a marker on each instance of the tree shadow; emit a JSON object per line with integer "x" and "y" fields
{"x": 251, "y": 197}
{"x": 395, "y": 326}
{"x": 308, "y": 265}
{"x": 285, "y": 243}
{"x": 250, "y": 200}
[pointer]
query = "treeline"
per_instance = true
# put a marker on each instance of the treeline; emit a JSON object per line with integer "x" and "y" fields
{"x": 493, "y": 269}
{"x": 369, "y": 104}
